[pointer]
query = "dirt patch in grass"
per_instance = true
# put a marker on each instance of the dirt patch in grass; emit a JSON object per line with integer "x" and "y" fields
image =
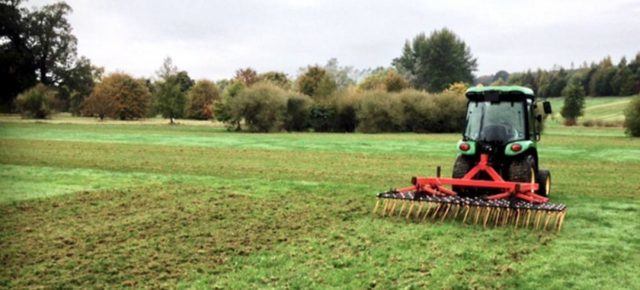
{"x": 151, "y": 236}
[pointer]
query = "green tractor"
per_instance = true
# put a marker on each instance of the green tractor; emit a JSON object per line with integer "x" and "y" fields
{"x": 504, "y": 122}
{"x": 497, "y": 177}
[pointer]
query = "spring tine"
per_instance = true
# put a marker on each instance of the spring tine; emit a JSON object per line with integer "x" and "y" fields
{"x": 402, "y": 207}
{"x": 538, "y": 216}
{"x": 507, "y": 217}
{"x": 457, "y": 211}
{"x": 466, "y": 212}
{"x": 385, "y": 205}
{"x": 517, "y": 218}
{"x": 376, "y": 207}
{"x": 410, "y": 209}
{"x": 419, "y": 210}
{"x": 546, "y": 221}
{"x": 561, "y": 220}
{"x": 498, "y": 211}
{"x": 486, "y": 218}
{"x": 435, "y": 212}
{"x": 393, "y": 207}
{"x": 445, "y": 213}
{"x": 426, "y": 214}
{"x": 475, "y": 220}
{"x": 526, "y": 224}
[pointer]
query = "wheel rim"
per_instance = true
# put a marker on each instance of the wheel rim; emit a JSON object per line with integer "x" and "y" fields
{"x": 533, "y": 179}
{"x": 547, "y": 185}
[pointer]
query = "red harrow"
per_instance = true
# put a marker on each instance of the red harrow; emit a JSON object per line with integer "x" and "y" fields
{"x": 514, "y": 203}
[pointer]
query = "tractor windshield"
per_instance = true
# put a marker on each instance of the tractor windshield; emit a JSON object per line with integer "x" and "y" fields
{"x": 495, "y": 122}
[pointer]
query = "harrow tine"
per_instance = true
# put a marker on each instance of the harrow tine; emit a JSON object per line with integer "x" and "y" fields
{"x": 419, "y": 210}
{"x": 486, "y": 217}
{"x": 466, "y": 212}
{"x": 410, "y": 209}
{"x": 435, "y": 212}
{"x": 445, "y": 213}
{"x": 376, "y": 207}
{"x": 402, "y": 207}
{"x": 517, "y": 218}
{"x": 426, "y": 214}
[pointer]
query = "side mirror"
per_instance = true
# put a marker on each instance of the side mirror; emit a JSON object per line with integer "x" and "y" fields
{"x": 547, "y": 107}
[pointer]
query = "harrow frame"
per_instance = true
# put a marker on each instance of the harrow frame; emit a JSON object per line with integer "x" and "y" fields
{"x": 435, "y": 185}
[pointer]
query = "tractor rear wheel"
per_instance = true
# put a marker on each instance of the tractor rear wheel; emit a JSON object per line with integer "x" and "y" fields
{"x": 544, "y": 182}
{"x": 462, "y": 165}
{"x": 523, "y": 169}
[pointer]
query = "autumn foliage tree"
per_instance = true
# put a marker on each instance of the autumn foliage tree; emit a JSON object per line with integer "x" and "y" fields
{"x": 200, "y": 100}
{"x": 316, "y": 82}
{"x": 118, "y": 96}
{"x": 247, "y": 76}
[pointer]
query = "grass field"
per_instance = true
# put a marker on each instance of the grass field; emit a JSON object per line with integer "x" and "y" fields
{"x": 113, "y": 205}
{"x": 597, "y": 108}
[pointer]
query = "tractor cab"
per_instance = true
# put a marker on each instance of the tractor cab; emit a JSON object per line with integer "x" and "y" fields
{"x": 498, "y": 116}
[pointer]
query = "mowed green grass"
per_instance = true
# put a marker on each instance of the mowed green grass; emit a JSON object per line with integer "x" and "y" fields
{"x": 112, "y": 205}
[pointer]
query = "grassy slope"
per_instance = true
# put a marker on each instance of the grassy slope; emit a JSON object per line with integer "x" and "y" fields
{"x": 599, "y": 108}
{"x": 196, "y": 206}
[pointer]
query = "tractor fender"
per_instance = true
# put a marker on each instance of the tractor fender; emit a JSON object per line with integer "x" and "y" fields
{"x": 526, "y": 146}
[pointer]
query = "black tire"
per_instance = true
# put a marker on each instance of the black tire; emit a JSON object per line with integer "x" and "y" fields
{"x": 462, "y": 165}
{"x": 544, "y": 181}
{"x": 523, "y": 169}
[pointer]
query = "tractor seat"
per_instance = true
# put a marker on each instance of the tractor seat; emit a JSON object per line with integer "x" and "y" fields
{"x": 496, "y": 133}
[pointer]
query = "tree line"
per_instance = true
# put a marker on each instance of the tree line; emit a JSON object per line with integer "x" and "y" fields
{"x": 604, "y": 78}
{"x": 420, "y": 91}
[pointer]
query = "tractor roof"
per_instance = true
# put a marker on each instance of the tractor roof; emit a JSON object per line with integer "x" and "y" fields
{"x": 499, "y": 93}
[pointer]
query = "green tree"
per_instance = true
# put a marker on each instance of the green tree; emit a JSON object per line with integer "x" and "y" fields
{"x": 200, "y": 100}
{"x": 37, "y": 102}
{"x": 632, "y": 117}
{"x": 385, "y": 79}
{"x": 316, "y": 83}
{"x": 51, "y": 41}
{"x": 119, "y": 96}
{"x": 77, "y": 83}
{"x": 435, "y": 62}
{"x": 170, "y": 92}
{"x": 170, "y": 100}
{"x": 277, "y": 78}
{"x": 17, "y": 64}
{"x": 573, "y": 102}
{"x": 342, "y": 76}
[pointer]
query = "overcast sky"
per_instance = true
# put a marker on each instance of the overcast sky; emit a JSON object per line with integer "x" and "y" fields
{"x": 211, "y": 39}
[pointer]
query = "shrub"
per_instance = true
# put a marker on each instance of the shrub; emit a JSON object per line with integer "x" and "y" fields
{"x": 200, "y": 100}
{"x": 261, "y": 106}
{"x": 118, "y": 96}
{"x": 322, "y": 116}
{"x": 36, "y": 102}
{"x": 632, "y": 117}
{"x": 297, "y": 113}
{"x": 448, "y": 113}
{"x": 345, "y": 107}
{"x": 380, "y": 111}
